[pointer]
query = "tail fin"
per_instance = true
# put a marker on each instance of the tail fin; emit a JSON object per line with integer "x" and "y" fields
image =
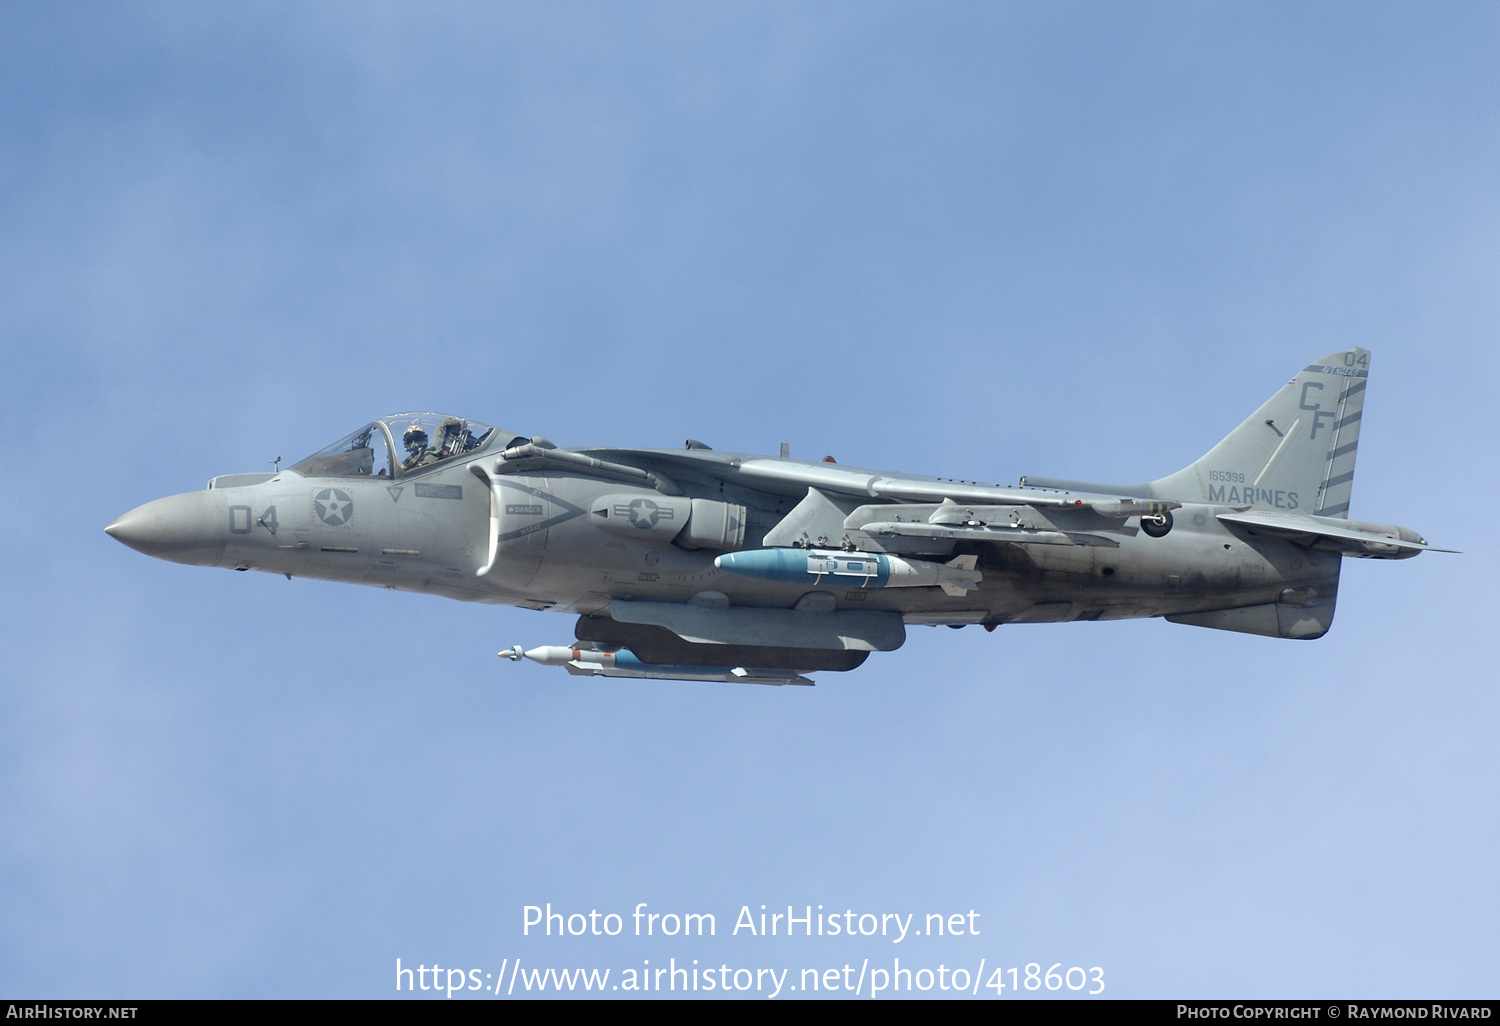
{"x": 1296, "y": 452}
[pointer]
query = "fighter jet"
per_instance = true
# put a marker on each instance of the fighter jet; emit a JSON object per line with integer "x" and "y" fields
{"x": 695, "y": 564}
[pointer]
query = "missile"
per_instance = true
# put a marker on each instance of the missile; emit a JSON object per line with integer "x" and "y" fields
{"x": 558, "y": 655}
{"x": 590, "y": 662}
{"x": 856, "y": 569}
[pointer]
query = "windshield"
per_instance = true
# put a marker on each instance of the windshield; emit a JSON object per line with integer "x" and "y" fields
{"x": 365, "y": 453}
{"x": 402, "y": 443}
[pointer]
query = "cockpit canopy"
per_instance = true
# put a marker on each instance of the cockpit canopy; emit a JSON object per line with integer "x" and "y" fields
{"x": 401, "y": 444}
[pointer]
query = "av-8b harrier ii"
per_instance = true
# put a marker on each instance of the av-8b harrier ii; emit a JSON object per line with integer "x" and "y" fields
{"x": 694, "y": 564}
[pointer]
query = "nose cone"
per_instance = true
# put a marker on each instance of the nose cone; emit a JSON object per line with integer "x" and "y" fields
{"x": 188, "y": 528}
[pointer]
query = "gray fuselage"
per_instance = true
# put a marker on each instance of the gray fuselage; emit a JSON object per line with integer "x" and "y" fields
{"x": 434, "y": 531}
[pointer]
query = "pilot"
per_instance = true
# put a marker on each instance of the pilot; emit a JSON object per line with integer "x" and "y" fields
{"x": 418, "y": 452}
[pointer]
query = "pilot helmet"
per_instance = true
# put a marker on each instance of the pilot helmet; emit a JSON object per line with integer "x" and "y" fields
{"x": 415, "y": 437}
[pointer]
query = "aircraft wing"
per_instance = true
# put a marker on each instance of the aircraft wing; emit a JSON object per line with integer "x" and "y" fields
{"x": 852, "y": 481}
{"x": 791, "y": 477}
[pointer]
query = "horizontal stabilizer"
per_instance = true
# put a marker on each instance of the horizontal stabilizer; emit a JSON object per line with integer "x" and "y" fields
{"x": 1351, "y": 537}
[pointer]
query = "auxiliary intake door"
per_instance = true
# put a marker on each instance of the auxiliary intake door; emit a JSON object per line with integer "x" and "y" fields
{"x": 521, "y": 510}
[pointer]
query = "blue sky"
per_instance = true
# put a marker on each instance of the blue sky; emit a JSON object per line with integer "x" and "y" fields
{"x": 1075, "y": 240}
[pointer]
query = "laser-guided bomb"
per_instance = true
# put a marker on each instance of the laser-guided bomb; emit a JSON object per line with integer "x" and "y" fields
{"x": 811, "y": 568}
